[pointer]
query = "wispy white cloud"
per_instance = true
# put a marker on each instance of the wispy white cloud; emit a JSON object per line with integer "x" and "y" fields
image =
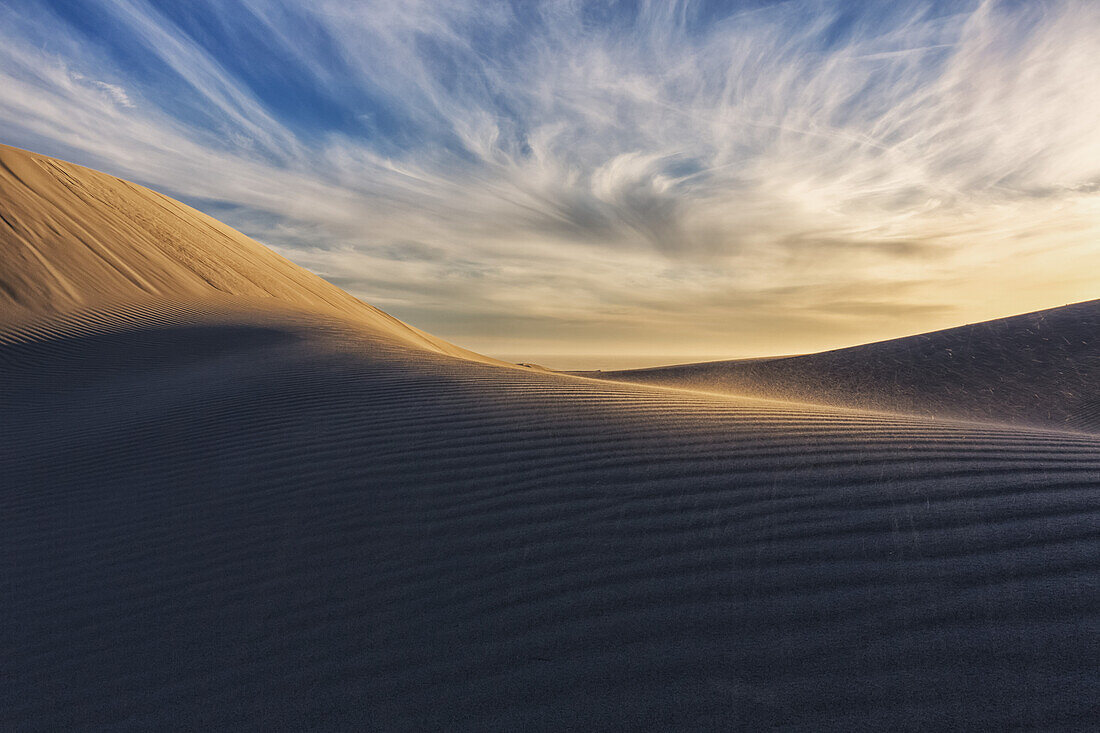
{"x": 114, "y": 91}
{"x": 789, "y": 178}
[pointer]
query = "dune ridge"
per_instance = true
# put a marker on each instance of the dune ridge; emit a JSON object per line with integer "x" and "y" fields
{"x": 1040, "y": 369}
{"x": 220, "y": 511}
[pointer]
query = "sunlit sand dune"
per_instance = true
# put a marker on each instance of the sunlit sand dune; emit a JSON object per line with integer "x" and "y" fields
{"x": 242, "y": 504}
{"x": 74, "y": 237}
{"x": 1040, "y": 369}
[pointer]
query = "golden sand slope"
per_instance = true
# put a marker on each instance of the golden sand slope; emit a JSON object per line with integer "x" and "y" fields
{"x": 74, "y": 238}
{"x": 215, "y": 515}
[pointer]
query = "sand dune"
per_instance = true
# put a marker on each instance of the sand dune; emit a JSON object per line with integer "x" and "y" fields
{"x": 77, "y": 238}
{"x": 223, "y": 511}
{"x": 1040, "y": 369}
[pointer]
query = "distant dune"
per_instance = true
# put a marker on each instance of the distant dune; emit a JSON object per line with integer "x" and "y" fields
{"x": 232, "y": 496}
{"x": 1041, "y": 368}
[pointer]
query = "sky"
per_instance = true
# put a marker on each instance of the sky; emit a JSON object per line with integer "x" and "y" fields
{"x": 605, "y": 183}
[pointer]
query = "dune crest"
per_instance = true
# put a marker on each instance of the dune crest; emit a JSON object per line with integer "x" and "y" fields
{"x": 1040, "y": 368}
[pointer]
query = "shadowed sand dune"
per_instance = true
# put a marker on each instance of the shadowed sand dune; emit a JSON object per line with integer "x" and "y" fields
{"x": 1040, "y": 369}
{"x": 223, "y": 511}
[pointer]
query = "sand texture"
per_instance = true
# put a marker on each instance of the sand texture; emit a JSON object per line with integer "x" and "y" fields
{"x": 252, "y": 507}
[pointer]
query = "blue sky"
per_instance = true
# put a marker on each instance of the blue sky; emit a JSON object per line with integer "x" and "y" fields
{"x": 650, "y": 178}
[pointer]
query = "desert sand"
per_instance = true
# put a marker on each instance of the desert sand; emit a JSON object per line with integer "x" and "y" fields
{"x": 1039, "y": 369}
{"x": 235, "y": 497}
